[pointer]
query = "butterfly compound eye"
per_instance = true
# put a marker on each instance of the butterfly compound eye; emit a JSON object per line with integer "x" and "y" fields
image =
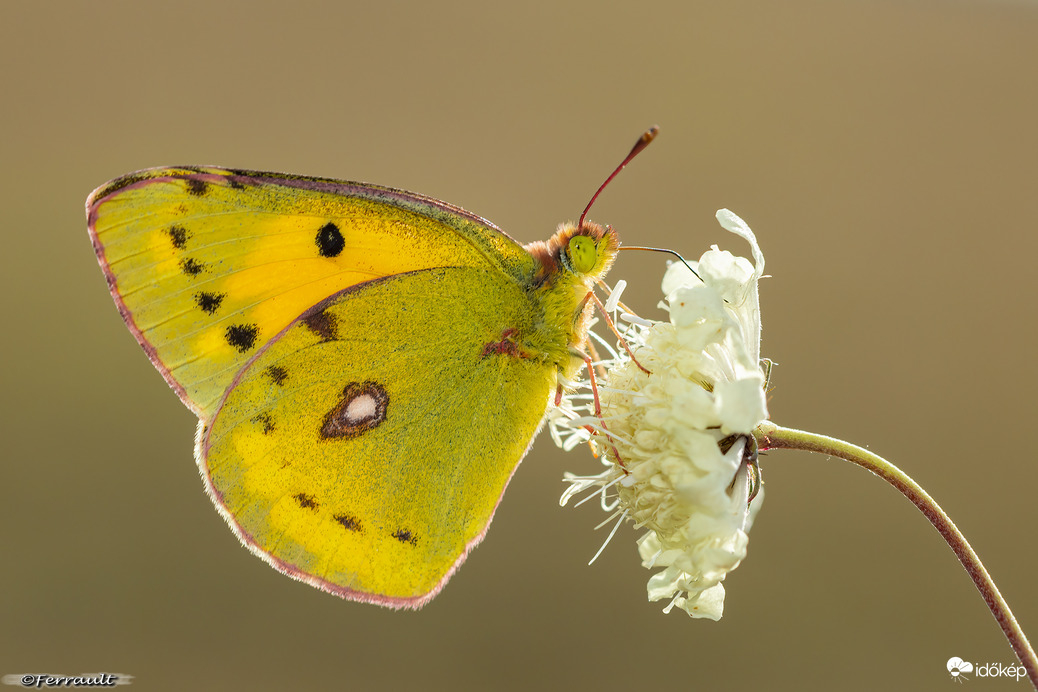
{"x": 582, "y": 253}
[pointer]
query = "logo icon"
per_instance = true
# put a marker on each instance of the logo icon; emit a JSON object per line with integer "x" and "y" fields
{"x": 958, "y": 668}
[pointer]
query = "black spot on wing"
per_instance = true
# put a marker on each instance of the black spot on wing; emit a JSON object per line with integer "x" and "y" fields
{"x": 277, "y": 374}
{"x": 266, "y": 421}
{"x": 178, "y": 235}
{"x": 192, "y": 267}
{"x": 350, "y": 523}
{"x": 329, "y": 240}
{"x": 196, "y": 187}
{"x": 307, "y": 501}
{"x": 323, "y": 324}
{"x": 405, "y": 536}
{"x": 242, "y": 336}
{"x": 209, "y": 302}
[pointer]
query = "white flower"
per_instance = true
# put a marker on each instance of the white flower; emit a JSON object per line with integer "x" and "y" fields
{"x": 675, "y": 441}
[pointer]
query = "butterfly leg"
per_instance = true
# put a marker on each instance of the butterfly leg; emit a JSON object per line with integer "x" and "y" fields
{"x": 598, "y": 408}
{"x": 612, "y": 326}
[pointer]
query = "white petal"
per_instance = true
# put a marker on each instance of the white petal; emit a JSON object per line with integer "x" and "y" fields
{"x": 708, "y": 604}
{"x": 699, "y": 315}
{"x": 664, "y": 584}
{"x": 742, "y": 405}
{"x": 730, "y": 221}
{"x": 678, "y": 275}
{"x": 649, "y": 548}
{"x": 727, "y": 274}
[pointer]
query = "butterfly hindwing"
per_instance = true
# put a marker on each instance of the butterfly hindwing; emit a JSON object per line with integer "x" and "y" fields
{"x": 208, "y": 264}
{"x": 364, "y": 450}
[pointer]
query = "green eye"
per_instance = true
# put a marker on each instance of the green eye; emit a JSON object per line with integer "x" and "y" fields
{"x": 582, "y": 253}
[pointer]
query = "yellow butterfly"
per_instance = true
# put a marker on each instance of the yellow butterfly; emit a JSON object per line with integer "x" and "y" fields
{"x": 368, "y": 365}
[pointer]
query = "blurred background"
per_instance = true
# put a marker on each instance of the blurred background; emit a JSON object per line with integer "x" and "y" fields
{"x": 884, "y": 152}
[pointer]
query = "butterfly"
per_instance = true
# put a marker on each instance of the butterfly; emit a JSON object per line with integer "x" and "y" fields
{"x": 368, "y": 365}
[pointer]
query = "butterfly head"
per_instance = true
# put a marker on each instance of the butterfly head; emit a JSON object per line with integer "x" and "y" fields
{"x": 584, "y": 254}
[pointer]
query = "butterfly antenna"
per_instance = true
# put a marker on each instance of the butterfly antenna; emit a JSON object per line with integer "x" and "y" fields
{"x": 642, "y": 142}
{"x": 667, "y": 251}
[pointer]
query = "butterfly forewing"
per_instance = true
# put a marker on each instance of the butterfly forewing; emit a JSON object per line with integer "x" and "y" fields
{"x": 207, "y": 265}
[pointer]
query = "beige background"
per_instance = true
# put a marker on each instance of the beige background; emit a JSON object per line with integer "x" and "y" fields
{"x": 885, "y": 154}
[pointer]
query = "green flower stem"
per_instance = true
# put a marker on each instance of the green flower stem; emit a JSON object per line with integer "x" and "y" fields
{"x": 771, "y": 436}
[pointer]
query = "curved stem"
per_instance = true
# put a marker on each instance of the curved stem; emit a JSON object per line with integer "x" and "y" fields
{"x": 771, "y": 436}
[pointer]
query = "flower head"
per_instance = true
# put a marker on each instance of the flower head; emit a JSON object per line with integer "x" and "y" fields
{"x": 675, "y": 439}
